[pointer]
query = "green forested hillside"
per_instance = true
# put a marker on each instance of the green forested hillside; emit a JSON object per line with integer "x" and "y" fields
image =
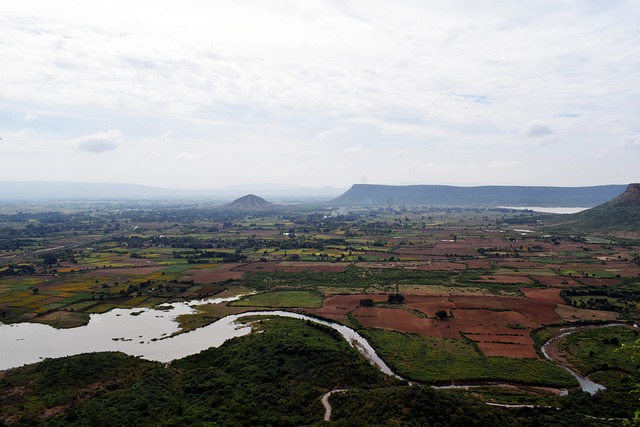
{"x": 620, "y": 214}
{"x": 273, "y": 378}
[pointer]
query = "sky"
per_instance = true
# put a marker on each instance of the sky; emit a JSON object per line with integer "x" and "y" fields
{"x": 204, "y": 94}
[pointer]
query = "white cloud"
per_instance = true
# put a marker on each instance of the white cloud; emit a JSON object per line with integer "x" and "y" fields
{"x": 498, "y": 164}
{"x": 189, "y": 157}
{"x": 633, "y": 143}
{"x": 306, "y": 156}
{"x": 99, "y": 142}
{"x": 448, "y": 81}
{"x": 537, "y": 129}
{"x": 353, "y": 149}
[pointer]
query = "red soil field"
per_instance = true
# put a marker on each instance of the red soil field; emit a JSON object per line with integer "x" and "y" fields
{"x": 219, "y": 274}
{"x": 595, "y": 281}
{"x": 489, "y": 318}
{"x": 471, "y": 301}
{"x": 337, "y": 307}
{"x": 508, "y": 350}
{"x": 546, "y": 295}
{"x": 627, "y": 269}
{"x": 404, "y": 321}
{"x": 478, "y": 263}
{"x": 500, "y": 338}
{"x": 293, "y": 267}
{"x": 556, "y": 281}
{"x": 133, "y": 271}
{"x": 500, "y": 325}
{"x": 428, "y": 305}
{"x": 515, "y": 263}
{"x": 539, "y": 312}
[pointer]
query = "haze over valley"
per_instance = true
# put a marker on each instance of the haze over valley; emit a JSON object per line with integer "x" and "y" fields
{"x": 319, "y": 213}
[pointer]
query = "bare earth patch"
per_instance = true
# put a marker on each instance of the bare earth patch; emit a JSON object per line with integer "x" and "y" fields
{"x": 574, "y": 314}
{"x": 508, "y": 350}
{"x": 219, "y": 274}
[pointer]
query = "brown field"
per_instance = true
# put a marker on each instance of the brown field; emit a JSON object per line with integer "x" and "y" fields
{"x": 294, "y": 267}
{"x": 595, "y": 281}
{"x": 500, "y": 325}
{"x": 546, "y": 295}
{"x": 508, "y": 338}
{"x": 515, "y": 263}
{"x": 477, "y": 263}
{"x": 574, "y": 314}
{"x": 219, "y": 274}
{"x": 508, "y": 350}
{"x": 428, "y": 304}
{"x": 540, "y": 312}
{"x": 486, "y": 319}
{"x": 372, "y": 254}
{"x": 622, "y": 268}
{"x": 337, "y": 306}
{"x": 556, "y": 281}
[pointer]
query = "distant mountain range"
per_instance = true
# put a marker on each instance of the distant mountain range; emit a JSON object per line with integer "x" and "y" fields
{"x": 357, "y": 195}
{"x": 37, "y": 190}
{"x": 24, "y": 190}
{"x": 446, "y": 195}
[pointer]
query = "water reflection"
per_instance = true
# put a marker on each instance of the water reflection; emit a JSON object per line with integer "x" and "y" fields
{"x": 136, "y": 332}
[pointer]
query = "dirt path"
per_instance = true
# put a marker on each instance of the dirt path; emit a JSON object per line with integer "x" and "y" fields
{"x": 327, "y": 405}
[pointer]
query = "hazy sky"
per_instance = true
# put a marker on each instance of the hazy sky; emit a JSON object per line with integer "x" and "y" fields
{"x": 317, "y": 92}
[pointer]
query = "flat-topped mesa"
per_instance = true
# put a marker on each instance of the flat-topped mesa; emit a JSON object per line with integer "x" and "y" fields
{"x": 488, "y": 195}
{"x": 250, "y": 202}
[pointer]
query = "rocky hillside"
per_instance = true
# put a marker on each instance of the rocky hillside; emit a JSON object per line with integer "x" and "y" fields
{"x": 250, "y": 202}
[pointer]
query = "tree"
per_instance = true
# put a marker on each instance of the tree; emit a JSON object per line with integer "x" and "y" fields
{"x": 366, "y": 302}
{"x": 634, "y": 349}
{"x": 442, "y": 314}
{"x": 395, "y": 299}
{"x": 49, "y": 259}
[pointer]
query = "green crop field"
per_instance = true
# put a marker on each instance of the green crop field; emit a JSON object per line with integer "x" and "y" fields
{"x": 282, "y": 299}
{"x": 446, "y": 361}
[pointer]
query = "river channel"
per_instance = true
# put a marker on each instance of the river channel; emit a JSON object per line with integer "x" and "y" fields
{"x": 145, "y": 333}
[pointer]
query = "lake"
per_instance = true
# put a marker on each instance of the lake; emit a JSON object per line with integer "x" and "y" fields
{"x": 542, "y": 209}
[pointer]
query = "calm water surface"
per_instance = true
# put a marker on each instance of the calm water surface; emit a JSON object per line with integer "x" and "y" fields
{"x": 142, "y": 335}
{"x": 555, "y": 210}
